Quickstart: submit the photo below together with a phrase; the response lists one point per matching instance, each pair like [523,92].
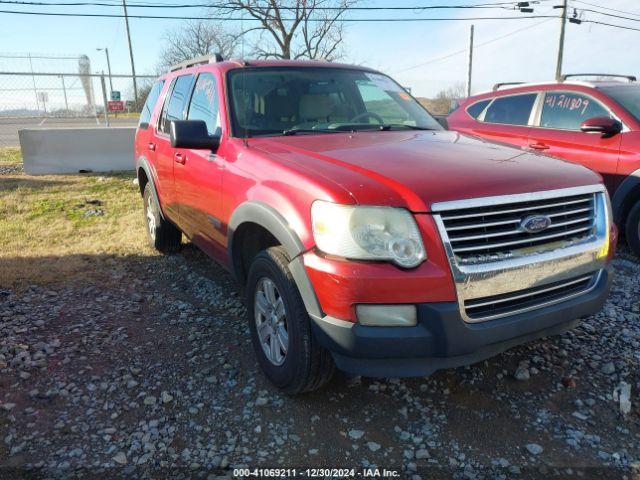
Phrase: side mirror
[192,134]
[605,126]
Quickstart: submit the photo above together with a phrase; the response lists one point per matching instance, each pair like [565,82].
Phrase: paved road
[9,126]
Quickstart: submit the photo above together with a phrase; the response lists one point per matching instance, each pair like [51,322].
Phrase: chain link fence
[31,98]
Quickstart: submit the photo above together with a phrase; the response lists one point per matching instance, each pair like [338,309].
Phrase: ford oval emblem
[535,223]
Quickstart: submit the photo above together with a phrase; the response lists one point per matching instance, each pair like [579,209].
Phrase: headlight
[367,233]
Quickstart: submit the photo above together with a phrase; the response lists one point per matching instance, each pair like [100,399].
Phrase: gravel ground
[150,372]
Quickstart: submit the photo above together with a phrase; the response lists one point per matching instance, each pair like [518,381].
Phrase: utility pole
[133,67]
[106,51]
[563,19]
[470,68]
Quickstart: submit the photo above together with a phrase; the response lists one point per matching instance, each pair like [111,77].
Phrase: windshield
[626,95]
[276,101]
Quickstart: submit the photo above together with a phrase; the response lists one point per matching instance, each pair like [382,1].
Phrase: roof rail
[497,86]
[631,78]
[205,59]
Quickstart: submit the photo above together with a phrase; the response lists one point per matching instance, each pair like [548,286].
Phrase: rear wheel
[632,229]
[287,352]
[162,234]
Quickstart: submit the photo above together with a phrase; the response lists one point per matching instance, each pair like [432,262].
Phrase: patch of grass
[10,156]
[51,225]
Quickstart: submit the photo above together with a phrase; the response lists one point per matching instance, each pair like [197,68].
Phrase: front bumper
[443,339]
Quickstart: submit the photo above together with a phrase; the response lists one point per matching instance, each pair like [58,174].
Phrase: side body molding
[271,220]
[618,202]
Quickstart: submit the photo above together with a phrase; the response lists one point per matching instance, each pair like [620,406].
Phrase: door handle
[152,146]
[180,158]
[539,146]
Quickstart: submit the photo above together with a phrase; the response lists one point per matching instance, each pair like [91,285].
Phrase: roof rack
[497,86]
[631,78]
[205,59]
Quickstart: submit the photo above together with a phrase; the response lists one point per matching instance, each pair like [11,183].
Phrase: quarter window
[175,108]
[204,103]
[477,108]
[566,111]
[511,110]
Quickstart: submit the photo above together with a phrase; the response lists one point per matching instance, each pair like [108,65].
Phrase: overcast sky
[406,51]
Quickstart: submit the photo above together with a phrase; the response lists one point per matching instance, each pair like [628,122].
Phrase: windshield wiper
[295,131]
[389,126]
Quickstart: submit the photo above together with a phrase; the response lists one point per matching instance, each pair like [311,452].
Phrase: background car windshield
[626,95]
[269,101]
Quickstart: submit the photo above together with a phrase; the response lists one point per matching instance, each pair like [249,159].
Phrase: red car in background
[596,124]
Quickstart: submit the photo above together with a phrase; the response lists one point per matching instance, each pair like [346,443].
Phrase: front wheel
[632,229]
[286,350]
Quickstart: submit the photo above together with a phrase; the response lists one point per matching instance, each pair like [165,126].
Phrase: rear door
[507,119]
[198,177]
[174,108]
[557,133]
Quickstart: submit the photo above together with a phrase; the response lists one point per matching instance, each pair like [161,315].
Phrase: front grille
[531,298]
[489,232]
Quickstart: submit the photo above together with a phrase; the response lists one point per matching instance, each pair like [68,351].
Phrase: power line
[607,8]
[503,5]
[163,17]
[610,15]
[458,52]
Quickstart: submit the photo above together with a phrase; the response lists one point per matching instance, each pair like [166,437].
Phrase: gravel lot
[149,371]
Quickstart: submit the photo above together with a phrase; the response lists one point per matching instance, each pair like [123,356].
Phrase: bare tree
[293,29]
[445,100]
[195,39]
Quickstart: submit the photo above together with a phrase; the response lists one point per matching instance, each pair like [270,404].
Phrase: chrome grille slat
[497,306]
[515,210]
[519,242]
[516,232]
[495,229]
[471,304]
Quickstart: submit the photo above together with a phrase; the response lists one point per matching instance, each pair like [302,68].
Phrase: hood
[415,169]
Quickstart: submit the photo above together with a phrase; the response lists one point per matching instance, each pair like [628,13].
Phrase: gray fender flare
[143,164]
[271,220]
[622,193]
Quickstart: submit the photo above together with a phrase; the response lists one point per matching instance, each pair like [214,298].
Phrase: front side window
[150,103]
[566,111]
[511,110]
[175,108]
[626,95]
[270,101]
[204,103]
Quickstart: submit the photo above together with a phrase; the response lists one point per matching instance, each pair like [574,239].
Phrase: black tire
[307,366]
[165,237]
[632,229]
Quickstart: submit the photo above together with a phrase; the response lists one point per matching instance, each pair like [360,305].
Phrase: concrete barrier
[74,150]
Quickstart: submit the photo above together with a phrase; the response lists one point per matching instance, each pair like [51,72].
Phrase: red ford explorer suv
[596,124]
[366,236]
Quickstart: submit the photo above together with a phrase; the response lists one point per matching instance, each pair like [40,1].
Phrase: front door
[507,119]
[198,173]
[558,134]
[173,109]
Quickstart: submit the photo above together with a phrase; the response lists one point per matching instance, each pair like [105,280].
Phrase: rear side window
[150,103]
[511,110]
[204,103]
[566,111]
[174,108]
[477,108]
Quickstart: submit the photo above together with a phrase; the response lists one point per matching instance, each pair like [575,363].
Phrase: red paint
[407,169]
